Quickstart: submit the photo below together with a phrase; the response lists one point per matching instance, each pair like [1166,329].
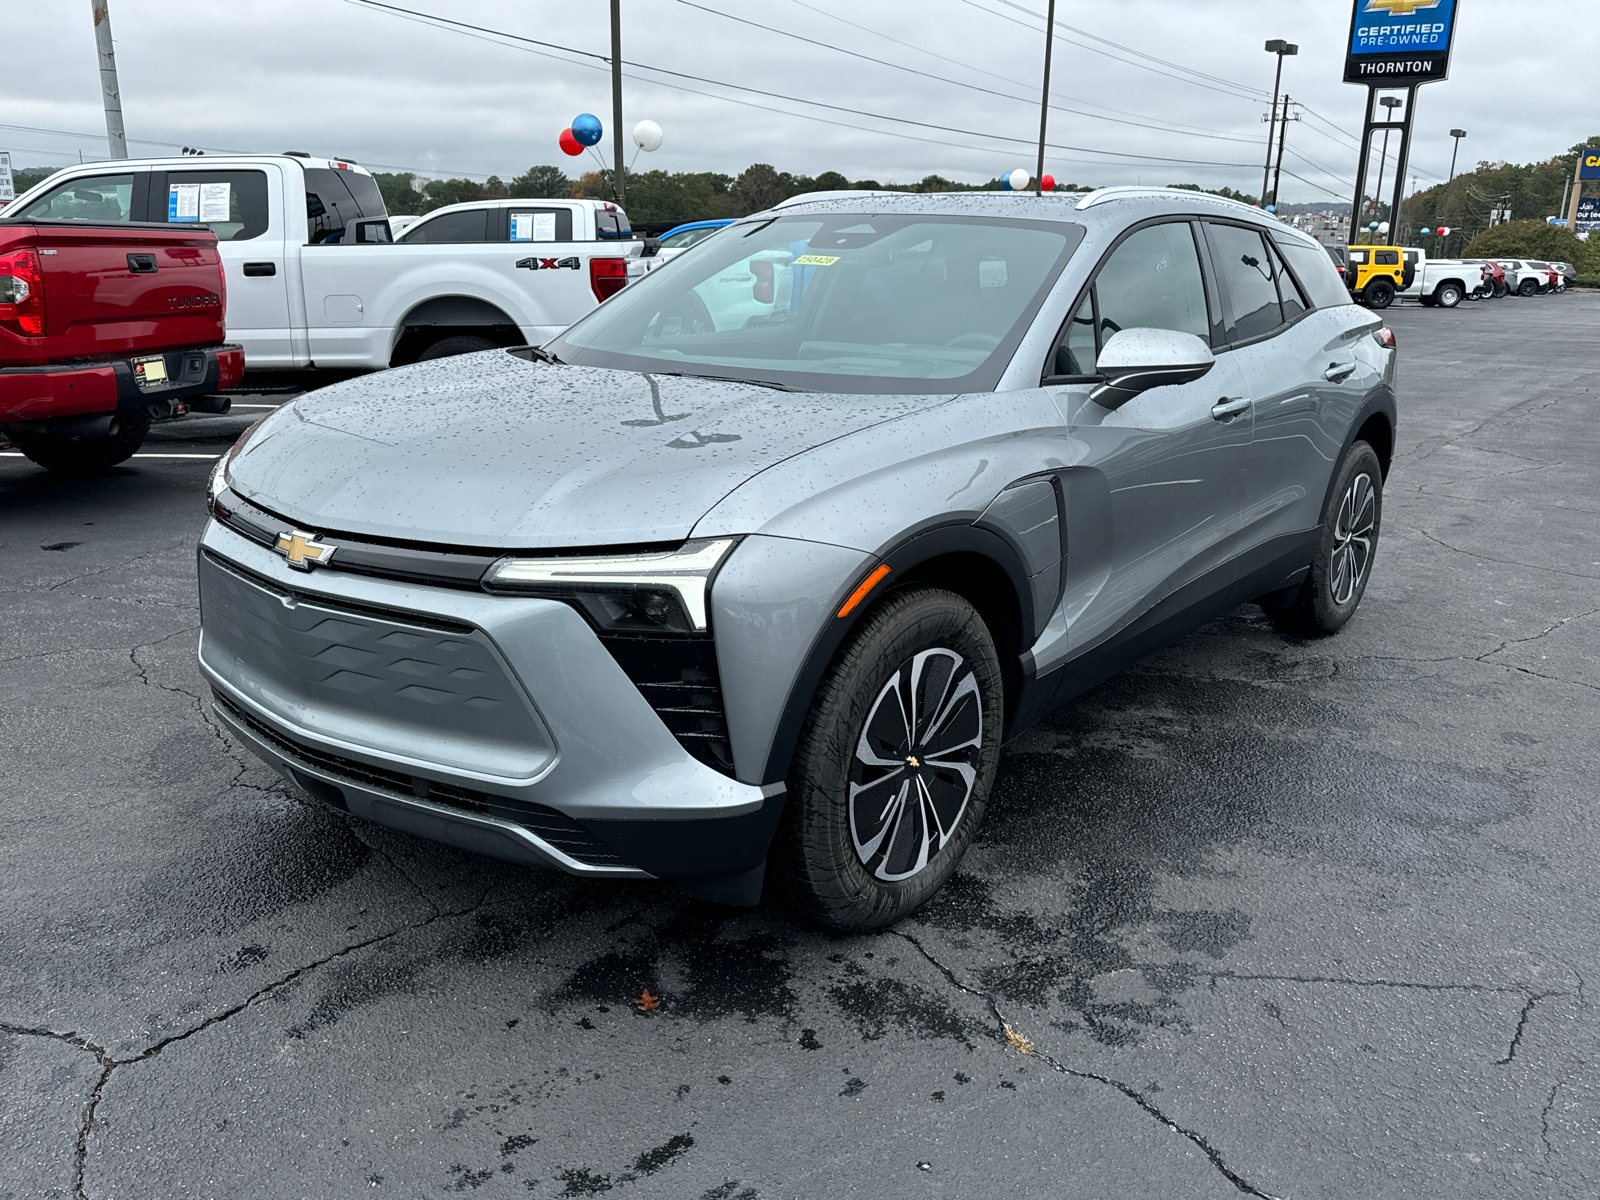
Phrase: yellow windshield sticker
[816,260]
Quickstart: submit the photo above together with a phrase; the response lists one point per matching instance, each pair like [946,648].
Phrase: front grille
[556,828]
[678,678]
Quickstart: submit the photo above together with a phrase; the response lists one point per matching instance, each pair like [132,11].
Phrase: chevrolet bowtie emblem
[302,549]
[1400,8]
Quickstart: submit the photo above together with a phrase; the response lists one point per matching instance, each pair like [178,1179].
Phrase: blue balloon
[1373,226]
[1272,208]
[1426,231]
[1005,181]
[587,130]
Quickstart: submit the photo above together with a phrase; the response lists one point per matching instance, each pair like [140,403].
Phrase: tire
[1347,542]
[1447,295]
[852,853]
[1500,290]
[1528,287]
[84,456]
[1425,301]
[461,343]
[1378,294]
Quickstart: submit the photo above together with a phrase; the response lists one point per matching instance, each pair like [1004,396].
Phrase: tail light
[222,291]
[1384,337]
[607,276]
[762,292]
[22,293]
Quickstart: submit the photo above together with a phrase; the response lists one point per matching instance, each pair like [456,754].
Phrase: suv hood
[493,450]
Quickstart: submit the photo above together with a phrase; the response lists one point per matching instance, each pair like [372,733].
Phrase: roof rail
[1129,191]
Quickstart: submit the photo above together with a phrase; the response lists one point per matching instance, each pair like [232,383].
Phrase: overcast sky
[339,77]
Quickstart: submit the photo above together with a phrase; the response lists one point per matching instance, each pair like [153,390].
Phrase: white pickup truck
[1441,282]
[314,278]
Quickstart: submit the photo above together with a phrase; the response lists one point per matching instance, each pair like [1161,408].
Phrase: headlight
[628,593]
[218,480]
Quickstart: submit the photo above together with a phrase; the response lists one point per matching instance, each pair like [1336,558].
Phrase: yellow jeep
[1377,273]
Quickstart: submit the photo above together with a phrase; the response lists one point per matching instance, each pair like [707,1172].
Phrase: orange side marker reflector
[867,584]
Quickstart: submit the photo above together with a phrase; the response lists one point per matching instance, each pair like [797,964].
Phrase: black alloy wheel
[894,764]
[1347,542]
[1528,287]
[1378,294]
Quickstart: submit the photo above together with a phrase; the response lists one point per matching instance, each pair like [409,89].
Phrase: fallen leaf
[646,1002]
[1017,1041]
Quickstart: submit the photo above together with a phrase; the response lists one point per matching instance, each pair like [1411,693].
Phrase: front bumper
[106,385]
[498,724]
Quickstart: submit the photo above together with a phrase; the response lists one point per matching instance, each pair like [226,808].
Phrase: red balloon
[568,143]
[1048,183]
[1441,231]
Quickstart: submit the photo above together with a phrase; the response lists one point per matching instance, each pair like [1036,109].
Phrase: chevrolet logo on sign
[302,549]
[1400,8]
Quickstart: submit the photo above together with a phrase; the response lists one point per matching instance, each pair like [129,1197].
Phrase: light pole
[1458,134]
[616,96]
[1282,49]
[1044,96]
[108,80]
[1391,103]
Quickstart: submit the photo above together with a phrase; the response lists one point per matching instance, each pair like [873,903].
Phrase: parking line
[19,454]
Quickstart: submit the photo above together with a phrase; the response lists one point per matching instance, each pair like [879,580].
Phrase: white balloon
[1383,227]
[647,136]
[1019,180]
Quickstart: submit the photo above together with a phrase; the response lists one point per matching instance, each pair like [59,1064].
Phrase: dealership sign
[1400,42]
[1589,168]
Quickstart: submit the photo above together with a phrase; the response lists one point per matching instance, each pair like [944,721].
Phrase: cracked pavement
[1260,916]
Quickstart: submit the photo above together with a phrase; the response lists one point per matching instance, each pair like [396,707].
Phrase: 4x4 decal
[549,264]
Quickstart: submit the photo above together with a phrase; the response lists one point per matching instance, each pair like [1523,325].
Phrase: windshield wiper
[543,355]
[766,383]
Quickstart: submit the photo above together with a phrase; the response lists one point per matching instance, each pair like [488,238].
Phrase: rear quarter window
[1316,273]
[468,225]
[335,199]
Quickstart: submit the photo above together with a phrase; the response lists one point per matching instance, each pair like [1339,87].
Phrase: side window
[611,223]
[1247,277]
[468,225]
[540,225]
[1315,271]
[1358,257]
[1386,258]
[1289,294]
[233,203]
[98,198]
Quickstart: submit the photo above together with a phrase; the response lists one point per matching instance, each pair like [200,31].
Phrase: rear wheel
[1346,544]
[894,764]
[1447,295]
[80,456]
[1378,294]
[1528,287]
[461,343]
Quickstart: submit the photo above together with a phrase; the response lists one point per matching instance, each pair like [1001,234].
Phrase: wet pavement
[1262,915]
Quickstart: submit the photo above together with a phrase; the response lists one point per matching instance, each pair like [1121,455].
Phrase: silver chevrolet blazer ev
[748,575]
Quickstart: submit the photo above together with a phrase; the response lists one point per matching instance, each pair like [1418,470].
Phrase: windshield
[842,303]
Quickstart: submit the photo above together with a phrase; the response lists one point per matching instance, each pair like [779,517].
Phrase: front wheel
[894,764]
[1346,543]
[1378,294]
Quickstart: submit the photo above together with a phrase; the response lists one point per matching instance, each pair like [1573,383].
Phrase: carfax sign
[1589,168]
[1400,42]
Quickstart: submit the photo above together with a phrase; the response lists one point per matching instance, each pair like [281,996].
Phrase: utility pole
[616,95]
[1283,133]
[108,79]
[1044,96]
[1458,134]
[1282,49]
[1577,192]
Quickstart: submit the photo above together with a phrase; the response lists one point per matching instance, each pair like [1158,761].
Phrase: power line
[1237,95]
[447,22]
[1173,126]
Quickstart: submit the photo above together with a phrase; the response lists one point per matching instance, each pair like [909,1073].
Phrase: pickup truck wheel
[894,763]
[459,344]
[1346,543]
[1447,295]
[1378,294]
[86,455]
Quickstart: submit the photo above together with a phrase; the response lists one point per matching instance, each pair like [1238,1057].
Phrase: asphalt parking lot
[1262,915]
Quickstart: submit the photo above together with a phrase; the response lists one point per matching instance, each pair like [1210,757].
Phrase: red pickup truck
[104,327]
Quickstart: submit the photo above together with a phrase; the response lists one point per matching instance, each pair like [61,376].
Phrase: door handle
[1339,372]
[265,268]
[142,264]
[1226,407]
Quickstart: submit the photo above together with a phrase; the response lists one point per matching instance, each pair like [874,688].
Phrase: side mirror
[1136,360]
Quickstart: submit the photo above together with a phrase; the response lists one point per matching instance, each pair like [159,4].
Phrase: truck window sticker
[183,202]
